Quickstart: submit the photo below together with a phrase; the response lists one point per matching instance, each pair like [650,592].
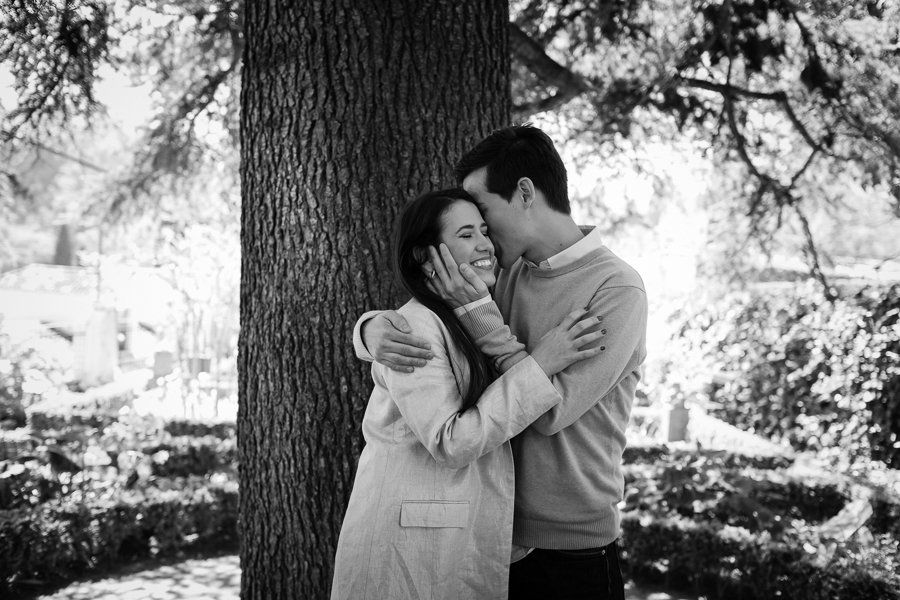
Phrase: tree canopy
[798,97]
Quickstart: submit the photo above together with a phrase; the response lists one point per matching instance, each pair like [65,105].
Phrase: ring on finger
[432,274]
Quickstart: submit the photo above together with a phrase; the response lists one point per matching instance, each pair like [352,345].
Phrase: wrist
[542,362]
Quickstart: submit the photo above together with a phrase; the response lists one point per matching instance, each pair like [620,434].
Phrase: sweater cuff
[482,320]
[471,305]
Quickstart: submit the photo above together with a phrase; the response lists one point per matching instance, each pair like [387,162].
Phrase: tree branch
[780,97]
[813,257]
[61,154]
[568,84]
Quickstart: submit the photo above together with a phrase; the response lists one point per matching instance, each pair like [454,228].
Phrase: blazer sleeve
[585,383]
[430,399]
[359,347]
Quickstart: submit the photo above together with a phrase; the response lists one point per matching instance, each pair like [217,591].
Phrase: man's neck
[557,232]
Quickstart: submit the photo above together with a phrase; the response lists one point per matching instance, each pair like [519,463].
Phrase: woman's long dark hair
[418,227]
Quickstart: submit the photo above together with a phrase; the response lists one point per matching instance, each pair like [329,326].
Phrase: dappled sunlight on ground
[638,593]
[219,578]
[210,579]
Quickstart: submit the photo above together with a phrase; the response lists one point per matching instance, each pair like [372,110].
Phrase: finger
[441,269]
[583,354]
[588,338]
[410,345]
[395,319]
[404,360]
[472,278]
[401,349]
[437,287]
[395,367]
[448,259]
[455,279]
[571,318]
[585,324]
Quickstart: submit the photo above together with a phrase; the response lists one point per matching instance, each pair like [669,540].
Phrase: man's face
[504,219]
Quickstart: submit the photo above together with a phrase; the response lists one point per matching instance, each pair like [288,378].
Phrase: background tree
[348,109]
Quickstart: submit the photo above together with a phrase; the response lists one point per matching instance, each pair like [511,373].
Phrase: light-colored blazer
[430,515]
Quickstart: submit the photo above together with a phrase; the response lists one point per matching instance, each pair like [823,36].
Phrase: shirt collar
[576,251]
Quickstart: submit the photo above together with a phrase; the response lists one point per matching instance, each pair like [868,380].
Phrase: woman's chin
[488,279]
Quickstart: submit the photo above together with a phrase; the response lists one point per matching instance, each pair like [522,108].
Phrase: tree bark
[349,108]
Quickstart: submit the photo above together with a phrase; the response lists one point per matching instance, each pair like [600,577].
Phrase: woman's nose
[484,243]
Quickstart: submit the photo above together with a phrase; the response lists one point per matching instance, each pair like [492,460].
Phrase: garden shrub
[180,427]
[885,515]
[58,540]
[825,377]
[62,421]
[84,419]
[729,562]
[728,488]
[728,459]
[186,456]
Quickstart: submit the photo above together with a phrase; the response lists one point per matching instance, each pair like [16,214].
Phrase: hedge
[223,431]
[726,488]
[58,541]
[61,421]
[45,420]
[730,562]
[636,455]
[190,456]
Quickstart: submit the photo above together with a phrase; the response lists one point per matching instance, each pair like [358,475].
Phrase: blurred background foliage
[793,367]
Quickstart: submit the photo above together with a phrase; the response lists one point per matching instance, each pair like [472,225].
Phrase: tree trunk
[349,108]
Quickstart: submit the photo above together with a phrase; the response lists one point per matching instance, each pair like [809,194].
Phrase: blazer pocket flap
[418,513]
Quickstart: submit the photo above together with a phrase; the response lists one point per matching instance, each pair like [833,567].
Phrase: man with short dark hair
[568,463]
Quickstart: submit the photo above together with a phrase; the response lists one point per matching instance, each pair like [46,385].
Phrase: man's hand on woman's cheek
[391,343]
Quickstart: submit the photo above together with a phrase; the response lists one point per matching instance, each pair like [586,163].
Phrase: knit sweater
[568,462]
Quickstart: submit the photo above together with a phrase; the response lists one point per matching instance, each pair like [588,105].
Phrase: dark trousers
[568,575]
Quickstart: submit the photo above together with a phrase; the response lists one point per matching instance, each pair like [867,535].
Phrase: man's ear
[525,187]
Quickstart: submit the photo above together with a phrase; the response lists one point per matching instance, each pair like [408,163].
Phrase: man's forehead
[474,181]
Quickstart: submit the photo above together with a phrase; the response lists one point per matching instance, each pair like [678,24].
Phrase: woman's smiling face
[466,236]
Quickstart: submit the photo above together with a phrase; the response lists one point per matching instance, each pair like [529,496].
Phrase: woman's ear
[420,254]
[428,268]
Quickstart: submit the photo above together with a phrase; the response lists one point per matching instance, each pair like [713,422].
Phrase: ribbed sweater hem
[533,533]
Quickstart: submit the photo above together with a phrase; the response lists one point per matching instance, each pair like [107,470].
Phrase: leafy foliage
[728,525]
[822,376]
[55,50]
[24,369]
[795,93]
[66,538]
[729,562]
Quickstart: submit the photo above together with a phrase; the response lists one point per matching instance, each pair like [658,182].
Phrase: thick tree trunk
[349,108]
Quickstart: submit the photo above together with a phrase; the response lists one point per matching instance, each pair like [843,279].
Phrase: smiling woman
[466,236]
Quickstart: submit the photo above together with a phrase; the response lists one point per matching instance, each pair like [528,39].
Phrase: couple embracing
[495,430]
